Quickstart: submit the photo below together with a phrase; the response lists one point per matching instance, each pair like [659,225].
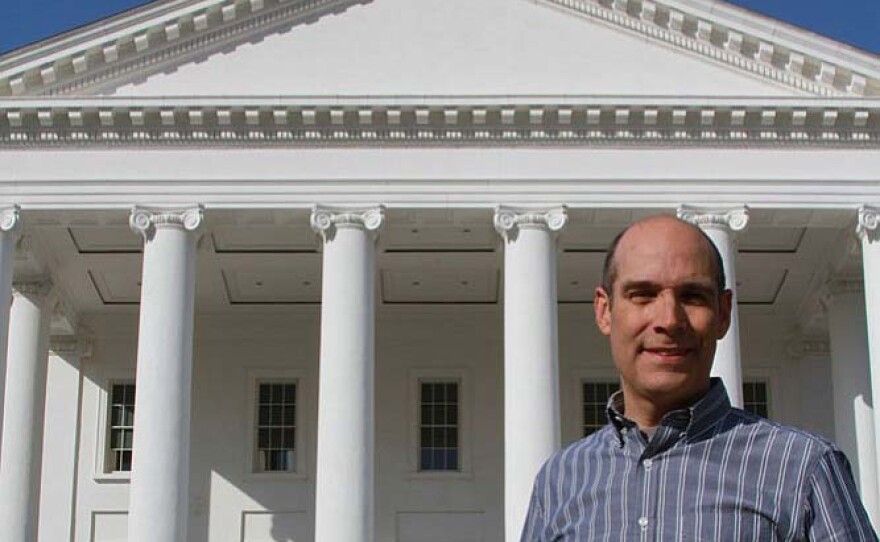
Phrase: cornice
[732,42]
[165,39]
[149,40]
[378,121]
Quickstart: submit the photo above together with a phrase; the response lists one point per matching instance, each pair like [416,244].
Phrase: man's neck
[649,412]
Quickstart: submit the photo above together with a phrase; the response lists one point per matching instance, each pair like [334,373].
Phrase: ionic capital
[509,220]
[802,347]
[734,219]
[145,220]
[866,228]
[70,345]
[40,289]
[10,219]
[841,286]
[326,220]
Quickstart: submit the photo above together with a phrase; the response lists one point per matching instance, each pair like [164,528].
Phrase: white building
[401,375]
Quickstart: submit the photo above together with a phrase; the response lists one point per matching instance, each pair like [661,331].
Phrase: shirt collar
[694,420]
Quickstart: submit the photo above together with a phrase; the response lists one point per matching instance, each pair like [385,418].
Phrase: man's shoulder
[781,432]
[596,442]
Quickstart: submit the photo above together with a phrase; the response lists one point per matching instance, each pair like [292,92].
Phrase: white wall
[229,503]
[452,47]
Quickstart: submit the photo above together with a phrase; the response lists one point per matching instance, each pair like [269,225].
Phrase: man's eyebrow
[639,285]
[697,285]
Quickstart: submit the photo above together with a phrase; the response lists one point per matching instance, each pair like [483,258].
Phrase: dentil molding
[144,221]
[735,219]
[326,220]
[509,220]
[438,121]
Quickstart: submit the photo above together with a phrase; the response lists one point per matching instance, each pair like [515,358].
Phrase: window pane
[595,401]
[120,429]
[276,427]
[438,426]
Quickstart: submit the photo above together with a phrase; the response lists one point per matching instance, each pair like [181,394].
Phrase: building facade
[295,270]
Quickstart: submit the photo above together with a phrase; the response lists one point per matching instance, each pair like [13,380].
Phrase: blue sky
[856,22]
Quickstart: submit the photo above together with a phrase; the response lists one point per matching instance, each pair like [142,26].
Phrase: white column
[721,225]
[344,479]
[9,226]
[531,361]
[23,417]
[158,501]
[869,218]
[851,382]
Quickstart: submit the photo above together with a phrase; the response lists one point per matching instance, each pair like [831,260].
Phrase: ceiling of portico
[258,259]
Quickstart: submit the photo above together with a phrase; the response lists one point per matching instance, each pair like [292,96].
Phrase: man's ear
[602,308]
[725,306]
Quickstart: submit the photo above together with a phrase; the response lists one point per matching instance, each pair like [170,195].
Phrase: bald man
[676,461]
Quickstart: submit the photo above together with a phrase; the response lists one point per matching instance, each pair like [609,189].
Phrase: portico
[348,296]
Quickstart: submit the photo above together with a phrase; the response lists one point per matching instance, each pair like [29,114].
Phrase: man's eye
[641,296]
[695,298]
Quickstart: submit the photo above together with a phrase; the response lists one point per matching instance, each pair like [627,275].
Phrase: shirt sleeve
[835,510]
[534,519]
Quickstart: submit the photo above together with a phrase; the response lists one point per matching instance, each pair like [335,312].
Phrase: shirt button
[648,463]
[643,522]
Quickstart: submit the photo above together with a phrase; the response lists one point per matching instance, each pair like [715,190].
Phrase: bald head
[663,225]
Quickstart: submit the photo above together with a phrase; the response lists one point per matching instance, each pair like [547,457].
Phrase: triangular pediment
[440,47]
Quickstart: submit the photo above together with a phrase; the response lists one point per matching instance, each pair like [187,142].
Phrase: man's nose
[670,316]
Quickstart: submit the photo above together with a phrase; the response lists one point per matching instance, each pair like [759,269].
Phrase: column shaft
[344,485]
[159,503]
[870,236]
[9,225]
[21,452]
[850,377]
[720,226]
[531,361]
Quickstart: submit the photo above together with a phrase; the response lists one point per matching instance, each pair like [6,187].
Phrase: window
[596,395]
[755,398]
[121,427]
[438,426]
[276,427]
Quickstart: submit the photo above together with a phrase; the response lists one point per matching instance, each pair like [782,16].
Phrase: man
[676,461]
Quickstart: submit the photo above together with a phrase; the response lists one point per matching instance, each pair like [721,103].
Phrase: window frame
[573,424]
[465,400]
[768,382]
[109,456]
[102,461]
[275,376]
[582,419]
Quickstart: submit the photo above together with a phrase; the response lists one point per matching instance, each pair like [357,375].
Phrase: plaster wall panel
[60,434]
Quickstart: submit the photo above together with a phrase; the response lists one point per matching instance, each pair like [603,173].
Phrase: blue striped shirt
[710,472]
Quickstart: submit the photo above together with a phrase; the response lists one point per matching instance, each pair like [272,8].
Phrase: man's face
[664,314]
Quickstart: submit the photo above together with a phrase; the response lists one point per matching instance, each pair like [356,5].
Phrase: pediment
[439,47]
